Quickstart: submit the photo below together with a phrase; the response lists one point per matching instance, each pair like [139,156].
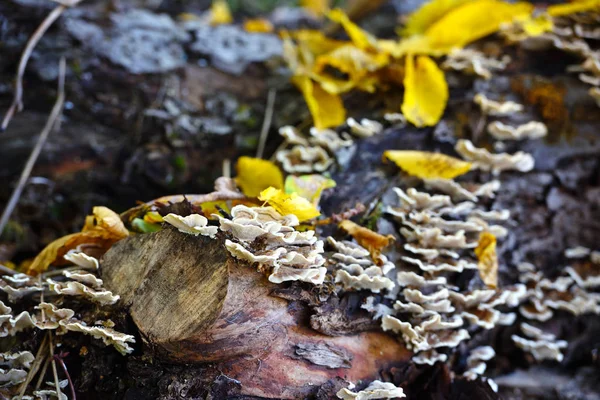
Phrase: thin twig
[64,367]
[50,124]
[264,131]
[54,371]
[17,104]
[4,270]
[479,128]
[42,374]
[40,355]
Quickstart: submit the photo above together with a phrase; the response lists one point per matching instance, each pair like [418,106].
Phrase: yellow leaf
[471,21]
[106,220]
[326,109]
[287,204]
[308,186]
[535,26]
[370,240]
[315,42]
[558,10]
[354,63]
[427,15]
[258,25]
[102,229]
[152,217]
[360,38]
[425,91]
[220,13]
[317,7]
[487,259]
[255,175]
[427,165]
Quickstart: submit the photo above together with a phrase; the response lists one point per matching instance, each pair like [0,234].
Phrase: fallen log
[193,303]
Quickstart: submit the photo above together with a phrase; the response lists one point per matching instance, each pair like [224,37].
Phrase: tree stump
[192,302]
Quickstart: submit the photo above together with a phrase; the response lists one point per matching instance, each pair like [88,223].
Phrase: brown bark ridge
[192,302]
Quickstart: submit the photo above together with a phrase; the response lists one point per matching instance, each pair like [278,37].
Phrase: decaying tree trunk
[192,302]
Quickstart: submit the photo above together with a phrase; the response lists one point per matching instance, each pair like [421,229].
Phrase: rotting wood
[194,303]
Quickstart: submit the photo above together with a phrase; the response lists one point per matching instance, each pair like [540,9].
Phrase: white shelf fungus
[364,128]
[474,62]
[496,163]
[288,254]
[496,108]
[193,224]
[375,390]
[530,130]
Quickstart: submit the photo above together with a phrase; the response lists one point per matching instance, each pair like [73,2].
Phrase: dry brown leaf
[102,229]
[372,241]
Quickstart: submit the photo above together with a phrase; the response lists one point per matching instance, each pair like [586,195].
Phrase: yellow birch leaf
[558,10]
[427,165]
[487,259]
[255,175]
[426,15]
[370,240]
[308,186]
[220,13]
[102,229]
[258,25]
[425,91]
[286,204]
[360,38]
[316,7]
[471,21]
[326,109]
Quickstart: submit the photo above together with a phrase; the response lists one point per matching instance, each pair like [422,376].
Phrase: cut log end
[192,302]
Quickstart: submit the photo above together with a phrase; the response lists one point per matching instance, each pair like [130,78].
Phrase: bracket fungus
[496,108]
[263,237]
[364,128]
[304,159]
[193,224]
[375,390]
[474,62]
[495,163]
[355,269]
[530,130]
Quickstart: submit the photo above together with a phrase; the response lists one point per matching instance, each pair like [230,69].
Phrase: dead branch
[52,122]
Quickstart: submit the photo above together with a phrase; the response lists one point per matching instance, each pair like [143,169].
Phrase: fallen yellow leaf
[426,15]
[425,91]
[427,165]
[487,259]
[152,217]
[443,25]
[258,25]
[370,240]
[471,21]
[535,26]
[326,109]
[102,229]
[220,13]
[360,38]
[287,204]
[308,186]
[317,7]
[355,64]
[255,175]
[558,10]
